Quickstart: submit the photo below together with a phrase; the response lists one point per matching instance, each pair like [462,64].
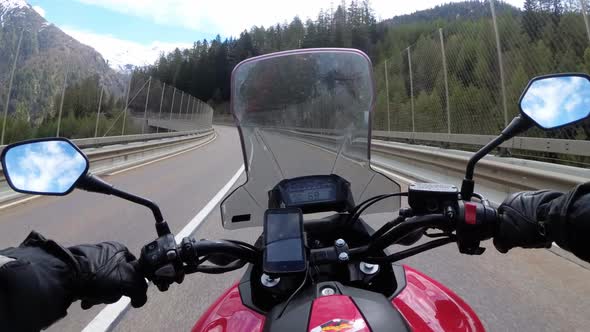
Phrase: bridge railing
[75,99]
[464,76]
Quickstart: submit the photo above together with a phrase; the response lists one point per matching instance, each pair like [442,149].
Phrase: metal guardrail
[572,147]
[553,145]
[123,148]
[515,173]
[114,157]
[511,172]
[84,143]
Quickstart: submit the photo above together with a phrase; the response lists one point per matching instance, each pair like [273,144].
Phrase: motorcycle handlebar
[472,221]
[191,250]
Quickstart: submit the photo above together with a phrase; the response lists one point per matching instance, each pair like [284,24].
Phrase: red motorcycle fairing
[425,304]
[229,314]
[323,318]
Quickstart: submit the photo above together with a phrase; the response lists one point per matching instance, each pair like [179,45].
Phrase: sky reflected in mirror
[557,101]
[50,167]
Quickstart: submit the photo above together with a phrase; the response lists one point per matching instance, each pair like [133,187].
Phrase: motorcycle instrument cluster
[318,193]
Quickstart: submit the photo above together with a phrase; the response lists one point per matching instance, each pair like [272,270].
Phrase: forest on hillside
[545,36]
[204,69]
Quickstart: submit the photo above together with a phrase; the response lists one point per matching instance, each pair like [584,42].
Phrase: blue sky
[101,20]
[136,31]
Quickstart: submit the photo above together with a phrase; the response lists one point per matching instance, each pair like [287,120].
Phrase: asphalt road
[525,290]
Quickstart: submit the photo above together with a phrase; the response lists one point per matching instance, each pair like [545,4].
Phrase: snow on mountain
[7,6]
[13,4]
[136,55]
[123,55]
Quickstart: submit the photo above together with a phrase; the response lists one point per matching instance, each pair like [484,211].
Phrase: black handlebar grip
[137,267]
[475,222]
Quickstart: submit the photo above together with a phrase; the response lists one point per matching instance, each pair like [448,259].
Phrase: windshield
[303,113]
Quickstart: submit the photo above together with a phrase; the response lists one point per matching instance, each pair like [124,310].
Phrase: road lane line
[107,317]
[20,201]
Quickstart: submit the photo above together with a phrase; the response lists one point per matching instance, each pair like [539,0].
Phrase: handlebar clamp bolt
[343,257]
[340,243]
[171,255]
[268,281]
[369,269]
[327,291]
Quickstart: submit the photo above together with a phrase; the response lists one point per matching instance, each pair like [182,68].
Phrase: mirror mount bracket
[95,184]
[518,125]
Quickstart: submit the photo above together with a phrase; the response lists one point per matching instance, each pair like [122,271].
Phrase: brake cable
[411,252]
[295,292]
[243,244]
[359,209]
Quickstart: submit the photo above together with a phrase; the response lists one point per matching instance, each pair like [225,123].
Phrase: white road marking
[20,201]
[106,318]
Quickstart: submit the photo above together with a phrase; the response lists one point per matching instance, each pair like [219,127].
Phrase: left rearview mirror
[44,166]
[555,101]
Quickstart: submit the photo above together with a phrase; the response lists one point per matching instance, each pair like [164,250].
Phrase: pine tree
[530,20]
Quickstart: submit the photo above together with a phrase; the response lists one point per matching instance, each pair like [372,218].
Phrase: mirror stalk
[516,126]
[95,184]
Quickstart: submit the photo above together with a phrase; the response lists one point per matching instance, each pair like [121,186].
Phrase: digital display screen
[311,191]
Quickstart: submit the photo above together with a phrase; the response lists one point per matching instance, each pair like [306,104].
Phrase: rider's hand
[523,221]
[106,274]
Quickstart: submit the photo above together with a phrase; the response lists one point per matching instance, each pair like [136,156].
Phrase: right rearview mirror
[555,101]
[44,166]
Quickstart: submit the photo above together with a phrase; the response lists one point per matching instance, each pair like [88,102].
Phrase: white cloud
[39,10]
[231,17]
[120,52]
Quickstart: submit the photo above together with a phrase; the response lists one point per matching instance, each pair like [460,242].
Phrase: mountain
[46,54]
[452,11]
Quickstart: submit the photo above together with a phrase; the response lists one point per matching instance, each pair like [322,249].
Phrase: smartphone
[284,246]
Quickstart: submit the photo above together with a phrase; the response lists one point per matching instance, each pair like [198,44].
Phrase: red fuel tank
[425,304]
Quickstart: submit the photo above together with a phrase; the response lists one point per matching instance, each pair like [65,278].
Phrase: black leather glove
[523,221]
[40,279]
[106,274]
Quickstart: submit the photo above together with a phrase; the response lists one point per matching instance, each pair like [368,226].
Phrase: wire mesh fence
[73,100]
[467,75]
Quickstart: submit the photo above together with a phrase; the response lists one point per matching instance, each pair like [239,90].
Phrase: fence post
[126,105]
[172,106]
[61,105]
[193,110]
[585,15]
[180,106]
[411,89]
[446,76]
[387,96]
[147,98]
[10,85]
[161,103]
[190,99]
[98,112]
[500,61]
